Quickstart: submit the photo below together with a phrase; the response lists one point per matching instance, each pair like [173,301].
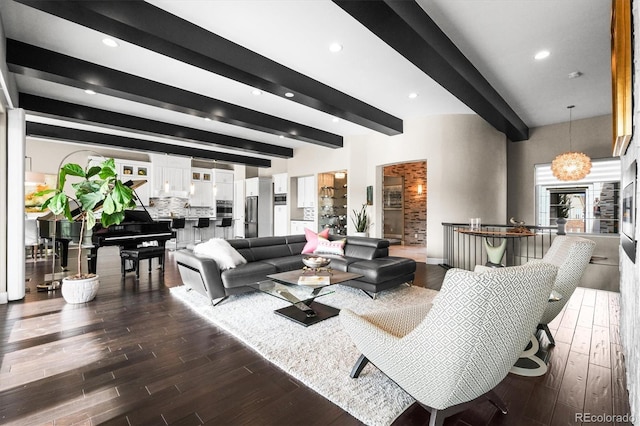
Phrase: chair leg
[360,364]
[545,328]
[435,419]
[219,301]
[493,398]
[368,294]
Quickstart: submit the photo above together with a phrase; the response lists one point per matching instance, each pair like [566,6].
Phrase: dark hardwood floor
[136,356]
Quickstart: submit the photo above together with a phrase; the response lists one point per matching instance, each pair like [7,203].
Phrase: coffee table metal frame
[303,309]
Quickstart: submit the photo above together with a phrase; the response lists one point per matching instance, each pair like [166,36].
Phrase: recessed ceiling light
[281,137]
[109,42]
[335,47]
[289,95]
[335,119]
[90,92]
[256,92]
[207,119]
[413,95]
[542,54]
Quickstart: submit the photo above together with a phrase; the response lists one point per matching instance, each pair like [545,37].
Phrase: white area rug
[320,356]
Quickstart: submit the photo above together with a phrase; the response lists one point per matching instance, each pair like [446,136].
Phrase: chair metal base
[357,369]
[437,416]
[545,328]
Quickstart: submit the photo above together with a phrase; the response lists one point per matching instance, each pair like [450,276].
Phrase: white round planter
[359,234]
[80,290]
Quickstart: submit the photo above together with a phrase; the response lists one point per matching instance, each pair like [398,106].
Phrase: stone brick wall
[415,205]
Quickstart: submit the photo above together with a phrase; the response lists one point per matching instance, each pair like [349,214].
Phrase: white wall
[591,136]
[466,170]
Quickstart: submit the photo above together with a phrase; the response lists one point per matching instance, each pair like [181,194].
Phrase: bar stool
[226,223]
[177,224]
[203,222]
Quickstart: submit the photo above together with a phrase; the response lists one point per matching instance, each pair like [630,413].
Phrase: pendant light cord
[570,121]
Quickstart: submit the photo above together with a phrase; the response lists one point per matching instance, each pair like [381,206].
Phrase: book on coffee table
[314,280]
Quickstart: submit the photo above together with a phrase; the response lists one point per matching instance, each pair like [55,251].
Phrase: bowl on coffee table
[316,262]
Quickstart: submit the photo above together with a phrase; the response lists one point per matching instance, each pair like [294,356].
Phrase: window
[590,205]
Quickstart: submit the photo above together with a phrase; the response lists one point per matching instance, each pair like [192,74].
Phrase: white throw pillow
[221,251]
[325,246]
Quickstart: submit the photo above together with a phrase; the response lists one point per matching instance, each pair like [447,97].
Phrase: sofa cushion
[246,274]
[242,246]
[366,248]
[296,243]
[382,269]
[341,263]
[286,263]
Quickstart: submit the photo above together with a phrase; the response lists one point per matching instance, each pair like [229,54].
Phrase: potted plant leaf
[361,221]
[98,187]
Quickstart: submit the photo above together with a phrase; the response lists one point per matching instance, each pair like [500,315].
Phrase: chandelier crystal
[571,165]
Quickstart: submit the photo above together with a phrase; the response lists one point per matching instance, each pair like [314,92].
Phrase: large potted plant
[98,187]
[362,221]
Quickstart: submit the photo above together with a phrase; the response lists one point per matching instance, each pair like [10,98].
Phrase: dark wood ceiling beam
[50,131]
[148,26]
[406,27]
[44,64]
[83,113]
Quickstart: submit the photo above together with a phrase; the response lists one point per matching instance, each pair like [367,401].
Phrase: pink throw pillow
[312,239]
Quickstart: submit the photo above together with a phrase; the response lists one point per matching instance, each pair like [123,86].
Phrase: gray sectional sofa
[269,255]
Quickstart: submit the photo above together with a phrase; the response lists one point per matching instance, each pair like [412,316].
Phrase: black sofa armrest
[200,273]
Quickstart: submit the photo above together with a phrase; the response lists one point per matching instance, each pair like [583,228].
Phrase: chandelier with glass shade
[571,165]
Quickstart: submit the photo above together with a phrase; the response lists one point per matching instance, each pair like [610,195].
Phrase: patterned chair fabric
[463,345]
[571,255]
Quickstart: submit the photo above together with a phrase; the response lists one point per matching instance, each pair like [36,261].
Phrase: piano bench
[135,255]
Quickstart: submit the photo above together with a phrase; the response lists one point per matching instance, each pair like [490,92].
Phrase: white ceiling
[499,37]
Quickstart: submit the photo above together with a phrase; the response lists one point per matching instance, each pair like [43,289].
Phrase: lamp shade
[571,166]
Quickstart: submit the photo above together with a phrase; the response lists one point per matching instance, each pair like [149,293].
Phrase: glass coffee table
[301,288]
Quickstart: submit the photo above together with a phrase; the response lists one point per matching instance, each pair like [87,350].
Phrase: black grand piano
[138,227]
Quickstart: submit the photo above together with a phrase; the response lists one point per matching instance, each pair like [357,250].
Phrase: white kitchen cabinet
[224,185]
[238,208]
[280,220]
[224,191]
[297,226]
[280,183]
[201,188]
[171,175]
[252,187]
[223,176]
[307,193]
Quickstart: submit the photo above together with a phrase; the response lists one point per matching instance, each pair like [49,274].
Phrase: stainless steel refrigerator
[251,217]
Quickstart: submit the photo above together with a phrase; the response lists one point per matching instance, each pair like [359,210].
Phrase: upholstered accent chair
[571,255]
[454,352]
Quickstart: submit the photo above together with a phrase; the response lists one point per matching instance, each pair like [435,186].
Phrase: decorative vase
[359,234]
[80,290]
[561,221]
